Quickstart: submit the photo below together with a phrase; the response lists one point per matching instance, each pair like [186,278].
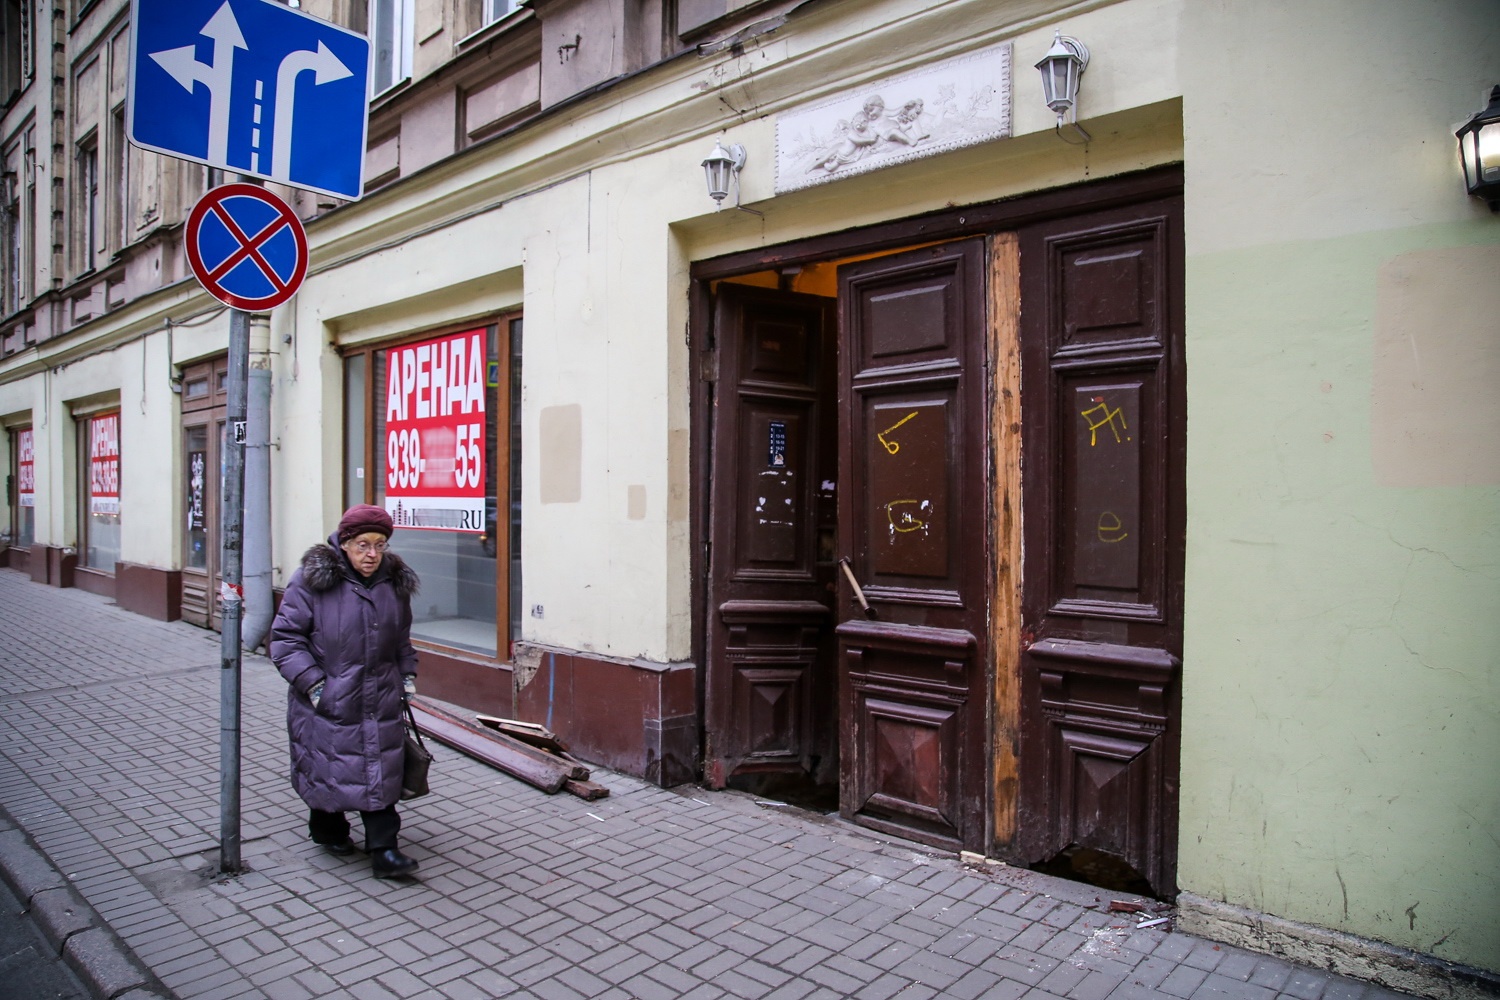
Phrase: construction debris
[544,764]
[586,790]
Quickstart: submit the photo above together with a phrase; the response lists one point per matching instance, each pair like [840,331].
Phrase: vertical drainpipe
[257,538]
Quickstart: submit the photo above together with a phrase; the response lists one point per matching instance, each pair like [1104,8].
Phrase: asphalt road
[29,970]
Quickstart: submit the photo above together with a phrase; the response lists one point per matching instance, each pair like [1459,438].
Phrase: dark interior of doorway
[794,790]
[1107,871]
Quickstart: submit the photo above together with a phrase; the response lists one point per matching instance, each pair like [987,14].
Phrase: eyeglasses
[367,547]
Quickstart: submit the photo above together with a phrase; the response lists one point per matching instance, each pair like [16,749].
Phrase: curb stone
[60,913]
[104,963]
[70,925]
[25,868]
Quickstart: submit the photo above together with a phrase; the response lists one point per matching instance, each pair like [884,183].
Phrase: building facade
[1111,493]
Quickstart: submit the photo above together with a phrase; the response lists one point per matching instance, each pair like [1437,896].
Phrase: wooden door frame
[1004,355]
[998,220]
[209,412]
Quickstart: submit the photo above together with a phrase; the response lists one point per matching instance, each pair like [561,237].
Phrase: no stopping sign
[247,247]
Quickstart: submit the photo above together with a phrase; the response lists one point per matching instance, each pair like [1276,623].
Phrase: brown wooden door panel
[909,781]
[770,681]
[772,658]
[912,516]
[1111,493]
[771,540]
[1103,494]
[909,530]
[907,712]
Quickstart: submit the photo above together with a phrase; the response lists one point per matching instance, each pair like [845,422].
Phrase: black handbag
[416,759]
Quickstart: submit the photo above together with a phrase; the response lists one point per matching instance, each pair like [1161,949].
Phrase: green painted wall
[1341,744]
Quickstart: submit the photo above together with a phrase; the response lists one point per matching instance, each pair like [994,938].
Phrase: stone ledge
[1345,954]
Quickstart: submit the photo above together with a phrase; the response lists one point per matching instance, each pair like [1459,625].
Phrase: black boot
[342,848]
[389,862]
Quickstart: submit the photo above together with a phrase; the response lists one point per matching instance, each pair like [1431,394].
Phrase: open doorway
[1022,380]
[846,628]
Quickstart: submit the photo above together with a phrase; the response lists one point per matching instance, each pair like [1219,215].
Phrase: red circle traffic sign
[247,247]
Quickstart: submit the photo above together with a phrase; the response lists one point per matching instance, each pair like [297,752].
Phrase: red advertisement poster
[104,464]
[434,433]
[25,468]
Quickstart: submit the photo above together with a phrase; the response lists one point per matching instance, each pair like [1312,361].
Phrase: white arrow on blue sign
[251,86]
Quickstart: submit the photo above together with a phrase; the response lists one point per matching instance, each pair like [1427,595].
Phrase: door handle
[859,593]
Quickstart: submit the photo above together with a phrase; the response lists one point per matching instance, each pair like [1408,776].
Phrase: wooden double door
[944,539]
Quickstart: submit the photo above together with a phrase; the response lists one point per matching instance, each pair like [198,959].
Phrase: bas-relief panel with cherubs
[957,102]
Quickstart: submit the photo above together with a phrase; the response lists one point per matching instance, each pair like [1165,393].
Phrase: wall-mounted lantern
[1479,148]
[721,168]
[1062,68]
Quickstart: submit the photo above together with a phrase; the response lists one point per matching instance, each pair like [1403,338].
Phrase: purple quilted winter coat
[347,752]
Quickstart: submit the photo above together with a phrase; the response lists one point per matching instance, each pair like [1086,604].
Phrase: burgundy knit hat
[363,517]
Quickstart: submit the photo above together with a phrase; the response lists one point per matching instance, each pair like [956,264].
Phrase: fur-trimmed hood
[323,566]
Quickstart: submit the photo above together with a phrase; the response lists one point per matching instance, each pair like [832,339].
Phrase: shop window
[22,487]
[432,433]
[99,479]
[392,41]
[195,462]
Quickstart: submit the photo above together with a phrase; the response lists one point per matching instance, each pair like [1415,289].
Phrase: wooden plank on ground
[547,774]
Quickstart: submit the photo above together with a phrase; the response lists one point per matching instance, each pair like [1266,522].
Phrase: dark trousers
[381,827]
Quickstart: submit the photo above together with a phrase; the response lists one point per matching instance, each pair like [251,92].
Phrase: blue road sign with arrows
[251,86]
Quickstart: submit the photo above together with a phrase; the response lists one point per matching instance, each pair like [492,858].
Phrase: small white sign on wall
[957,102]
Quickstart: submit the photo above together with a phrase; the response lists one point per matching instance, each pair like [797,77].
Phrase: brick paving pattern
[110,737]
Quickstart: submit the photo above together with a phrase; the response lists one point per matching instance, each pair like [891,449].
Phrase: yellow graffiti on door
[893,446]
[1106,420]
[903,521]
[1111,529]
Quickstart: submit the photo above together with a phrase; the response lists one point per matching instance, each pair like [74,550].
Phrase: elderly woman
[342,640]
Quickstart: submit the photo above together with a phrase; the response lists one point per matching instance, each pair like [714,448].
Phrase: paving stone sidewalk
[109,739]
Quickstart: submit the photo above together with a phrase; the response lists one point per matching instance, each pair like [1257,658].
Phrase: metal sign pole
[231,568]
[165,112]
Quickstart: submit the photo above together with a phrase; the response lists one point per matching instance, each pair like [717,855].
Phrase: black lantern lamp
[1479,148]
[1061,69]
